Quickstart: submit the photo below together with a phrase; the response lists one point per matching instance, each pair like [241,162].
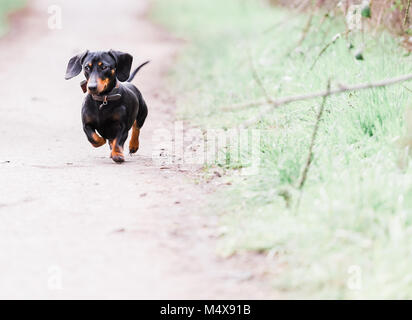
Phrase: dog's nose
[92,86]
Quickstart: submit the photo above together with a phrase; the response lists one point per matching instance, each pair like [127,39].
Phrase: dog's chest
[107,121]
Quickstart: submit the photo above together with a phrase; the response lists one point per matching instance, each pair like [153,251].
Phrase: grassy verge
[352,234]
[7,6]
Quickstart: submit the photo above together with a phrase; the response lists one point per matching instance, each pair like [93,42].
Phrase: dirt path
[72,223]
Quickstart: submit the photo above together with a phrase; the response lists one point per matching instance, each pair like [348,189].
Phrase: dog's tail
[137,70]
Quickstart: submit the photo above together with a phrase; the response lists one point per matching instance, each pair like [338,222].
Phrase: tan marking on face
[102,84]
[90,64]
[100,63]
[113,71]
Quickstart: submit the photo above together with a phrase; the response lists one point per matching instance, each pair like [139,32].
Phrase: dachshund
[112,105]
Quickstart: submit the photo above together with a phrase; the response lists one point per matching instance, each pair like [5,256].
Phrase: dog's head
[101,69]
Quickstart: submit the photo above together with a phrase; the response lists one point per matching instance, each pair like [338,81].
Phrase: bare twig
[244,105]
[407,14]
[336,37]
[343,88]
[304,34]
[379,20]
[322,20]
[340,89]
[306,29]
[410,90]
[309,157]
[257,78]
[313,140]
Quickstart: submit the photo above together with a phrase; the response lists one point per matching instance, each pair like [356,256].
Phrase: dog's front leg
[117,144]
[93,137]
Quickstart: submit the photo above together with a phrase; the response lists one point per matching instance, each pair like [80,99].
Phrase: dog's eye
[87,68]
[104,67]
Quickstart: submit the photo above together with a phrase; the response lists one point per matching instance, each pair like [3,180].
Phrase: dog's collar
[111,96]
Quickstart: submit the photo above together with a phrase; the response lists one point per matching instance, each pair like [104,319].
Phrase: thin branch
[343,88]
[340,89]
[245,105]
[378,23]
[407,14]
[306,29]
[305,32]
[257,78]
[313,141]
[410,90]
[336,37]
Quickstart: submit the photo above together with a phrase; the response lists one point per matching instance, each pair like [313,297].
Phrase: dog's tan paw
[99,141]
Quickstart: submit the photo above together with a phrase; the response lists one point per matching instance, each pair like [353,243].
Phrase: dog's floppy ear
[75,65]
[123,64]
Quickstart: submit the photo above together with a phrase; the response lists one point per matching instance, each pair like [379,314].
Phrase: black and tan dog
[112,105]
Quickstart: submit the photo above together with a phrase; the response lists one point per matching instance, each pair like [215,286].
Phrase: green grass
[7,6]
[356,206]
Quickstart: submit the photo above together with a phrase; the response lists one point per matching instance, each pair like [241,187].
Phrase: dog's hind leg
[134,140]
[140,119]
